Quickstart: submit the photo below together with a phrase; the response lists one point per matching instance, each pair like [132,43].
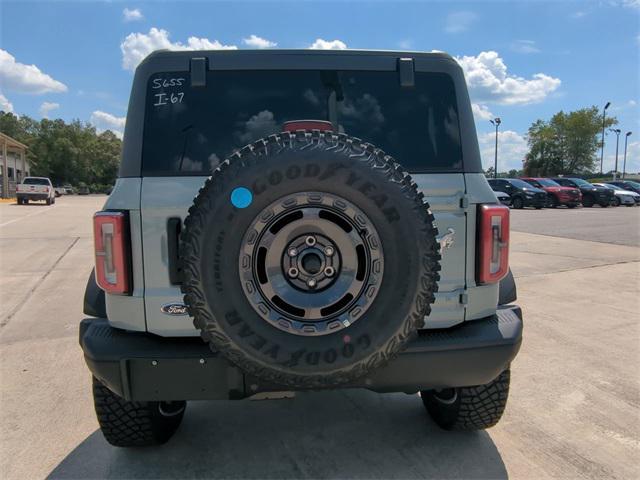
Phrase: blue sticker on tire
[241,197]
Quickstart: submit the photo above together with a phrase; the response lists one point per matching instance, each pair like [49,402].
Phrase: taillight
[111,240]
[493,243]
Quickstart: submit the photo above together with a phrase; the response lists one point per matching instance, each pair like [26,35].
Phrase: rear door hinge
[464,297]
[406,72]
[464,201]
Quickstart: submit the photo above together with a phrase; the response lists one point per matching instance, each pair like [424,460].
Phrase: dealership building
[14,165]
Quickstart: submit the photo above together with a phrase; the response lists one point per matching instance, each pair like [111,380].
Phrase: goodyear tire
[135,424]
[469,408]
[309,259]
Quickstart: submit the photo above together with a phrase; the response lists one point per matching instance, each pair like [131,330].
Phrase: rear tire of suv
[517,203]
[135,424]
[468,408]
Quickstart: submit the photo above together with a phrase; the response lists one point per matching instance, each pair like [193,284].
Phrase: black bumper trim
[142,366]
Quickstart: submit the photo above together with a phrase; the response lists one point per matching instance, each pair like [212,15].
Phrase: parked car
[623,197]
[59,190]
[591,194]
[83,190]
[627,185]
[522,194]
[68,189]
[503,198]
[274,271]
[35,189]
[556,194]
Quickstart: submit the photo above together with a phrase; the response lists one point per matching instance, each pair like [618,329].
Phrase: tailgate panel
[166,197]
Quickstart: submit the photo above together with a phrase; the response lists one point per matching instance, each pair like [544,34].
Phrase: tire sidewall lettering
[274,351]
[330,172]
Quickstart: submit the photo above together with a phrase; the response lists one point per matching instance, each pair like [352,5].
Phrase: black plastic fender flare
[94,302]
[507,290]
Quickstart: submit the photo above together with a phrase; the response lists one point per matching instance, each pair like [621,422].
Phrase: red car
[558,195]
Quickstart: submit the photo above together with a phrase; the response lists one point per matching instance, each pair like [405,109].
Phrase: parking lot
[574,408]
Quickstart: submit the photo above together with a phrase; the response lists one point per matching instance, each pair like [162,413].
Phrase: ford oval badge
[174,309]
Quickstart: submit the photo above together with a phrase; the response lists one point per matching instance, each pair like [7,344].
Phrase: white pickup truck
[35,188]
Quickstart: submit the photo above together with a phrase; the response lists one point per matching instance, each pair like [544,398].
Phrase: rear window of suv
[35,181]
[190,130]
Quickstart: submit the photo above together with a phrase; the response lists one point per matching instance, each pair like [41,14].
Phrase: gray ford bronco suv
[298,220]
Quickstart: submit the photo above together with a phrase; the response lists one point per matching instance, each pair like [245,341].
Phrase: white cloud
[631,3]
[5,105]
[481,112]
[321,44]
[258,126]
[47,107]
[512,148]
[525,46]
[136,46]
[132,15]
[458,22]
[105,121]
[255,41]
[21,78]
[489,81]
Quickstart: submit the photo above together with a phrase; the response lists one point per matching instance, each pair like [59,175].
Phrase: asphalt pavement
[573,412]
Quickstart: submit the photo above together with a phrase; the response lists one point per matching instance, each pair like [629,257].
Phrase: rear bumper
[141,366]
[33,196]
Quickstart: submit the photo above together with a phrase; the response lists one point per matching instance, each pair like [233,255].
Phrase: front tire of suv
[135,424]
[468,408]
[588,201]
[518,203]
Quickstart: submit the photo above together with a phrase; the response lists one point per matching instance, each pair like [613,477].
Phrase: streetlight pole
[496,121]
[604,114]
[624,163]
[617,131]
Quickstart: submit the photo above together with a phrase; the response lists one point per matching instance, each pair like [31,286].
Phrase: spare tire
[309,259]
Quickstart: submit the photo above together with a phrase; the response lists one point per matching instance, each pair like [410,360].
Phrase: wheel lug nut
[311,283]
[310,240]
[329,271]
[293,272]
[293,252]
[328,251]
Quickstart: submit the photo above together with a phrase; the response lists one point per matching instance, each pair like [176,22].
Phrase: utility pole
[624,163]
[496,121]
[617,131]
[604,114]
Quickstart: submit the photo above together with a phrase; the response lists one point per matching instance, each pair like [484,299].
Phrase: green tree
[66,152]
[566,144]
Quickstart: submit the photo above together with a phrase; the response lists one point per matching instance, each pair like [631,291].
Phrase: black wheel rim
[311,263]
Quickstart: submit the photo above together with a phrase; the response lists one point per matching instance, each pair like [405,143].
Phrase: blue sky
[523,60]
